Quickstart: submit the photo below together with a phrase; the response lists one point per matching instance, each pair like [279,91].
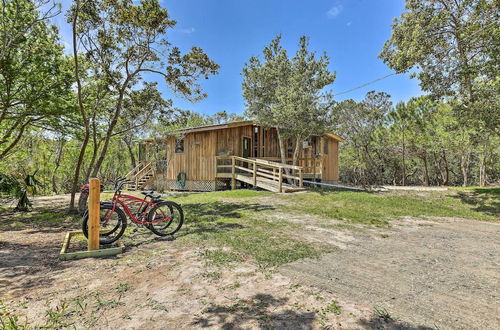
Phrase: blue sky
[352,32]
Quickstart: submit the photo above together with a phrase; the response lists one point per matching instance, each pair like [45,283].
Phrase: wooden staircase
[260,173]
[142,175]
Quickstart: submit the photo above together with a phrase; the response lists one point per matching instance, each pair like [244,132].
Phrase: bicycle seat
[150,194]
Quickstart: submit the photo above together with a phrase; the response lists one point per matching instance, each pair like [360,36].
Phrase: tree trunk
[426,170]
[439,169]
[82,112]
[281,142]
[109,133]
[374,165]
[464,166]
[57,163]
[296,153]
[130,152]
[446,169]
[483,160]
[404,163]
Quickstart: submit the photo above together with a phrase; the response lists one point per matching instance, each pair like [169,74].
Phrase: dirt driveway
[414,274]
[441,274]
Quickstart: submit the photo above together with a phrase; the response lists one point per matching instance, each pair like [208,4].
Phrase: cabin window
[179,146]
[325,146]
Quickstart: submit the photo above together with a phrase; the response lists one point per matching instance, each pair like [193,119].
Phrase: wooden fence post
[94,213]
[280,179]
[254,174]
[233,174]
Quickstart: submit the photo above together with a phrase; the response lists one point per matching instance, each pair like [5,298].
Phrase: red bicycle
[160,216]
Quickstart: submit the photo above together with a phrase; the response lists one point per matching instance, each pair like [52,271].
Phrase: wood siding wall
[331,161]
[197,160]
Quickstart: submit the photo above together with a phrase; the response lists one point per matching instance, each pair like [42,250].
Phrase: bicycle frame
[141,216]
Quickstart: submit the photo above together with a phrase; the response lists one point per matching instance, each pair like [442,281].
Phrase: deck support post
[254,174]
[233,174]
[314,169]
[301,179]
[94,211]
[280,179]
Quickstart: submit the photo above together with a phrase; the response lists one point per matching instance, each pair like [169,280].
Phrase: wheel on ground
[165,218]
[112,223]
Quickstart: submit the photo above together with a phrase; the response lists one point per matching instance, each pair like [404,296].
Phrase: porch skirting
[192,185]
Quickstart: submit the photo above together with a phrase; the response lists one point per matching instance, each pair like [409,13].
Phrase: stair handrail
[135,169]
[138,177]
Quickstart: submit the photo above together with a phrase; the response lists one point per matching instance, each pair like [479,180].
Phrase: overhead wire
[366,84]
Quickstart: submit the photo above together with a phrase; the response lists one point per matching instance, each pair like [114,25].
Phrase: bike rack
[64,255]
[93,250]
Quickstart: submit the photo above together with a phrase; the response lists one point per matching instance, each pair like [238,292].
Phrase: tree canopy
[288,93]
[35,76]
[452,47]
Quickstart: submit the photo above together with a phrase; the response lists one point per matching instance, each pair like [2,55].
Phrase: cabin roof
[215,127]
[231,125]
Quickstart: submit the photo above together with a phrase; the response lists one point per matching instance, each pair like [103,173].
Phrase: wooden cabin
[235,154]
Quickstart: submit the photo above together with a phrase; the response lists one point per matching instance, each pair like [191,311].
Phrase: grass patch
[379,208]
[267,248]
[9,320]
[220,258]
[243,226]
[383,314]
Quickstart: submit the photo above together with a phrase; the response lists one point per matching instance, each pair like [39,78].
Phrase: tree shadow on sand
[259,310]
[40,219]
[377,322]
[216,217]
[21,265]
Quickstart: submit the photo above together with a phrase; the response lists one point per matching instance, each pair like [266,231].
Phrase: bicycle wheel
[112,224]
[82,202]
[165,218]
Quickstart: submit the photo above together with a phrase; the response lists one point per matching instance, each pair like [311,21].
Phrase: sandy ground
[165,284]
[443,274]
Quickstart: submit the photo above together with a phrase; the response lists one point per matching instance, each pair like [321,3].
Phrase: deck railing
[311,166]
[258,168]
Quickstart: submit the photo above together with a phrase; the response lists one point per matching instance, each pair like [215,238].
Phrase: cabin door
[247,149]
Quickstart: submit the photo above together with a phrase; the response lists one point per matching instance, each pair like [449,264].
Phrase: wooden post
[233,174]
[314,169]
[94,213]
[280,179]
[216,168]
[301,178]
[254,174]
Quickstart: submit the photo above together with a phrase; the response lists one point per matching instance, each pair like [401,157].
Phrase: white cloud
[349,23]
[187,30]
[334,11]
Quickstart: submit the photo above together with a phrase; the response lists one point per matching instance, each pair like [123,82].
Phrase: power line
[366,84]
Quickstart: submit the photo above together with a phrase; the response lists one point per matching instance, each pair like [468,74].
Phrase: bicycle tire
[153,217]
[82,203]
[121,225]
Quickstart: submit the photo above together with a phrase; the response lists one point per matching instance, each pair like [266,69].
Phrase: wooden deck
[264,174]
[264,183]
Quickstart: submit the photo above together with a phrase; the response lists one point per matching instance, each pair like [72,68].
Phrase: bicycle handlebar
[120,182]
